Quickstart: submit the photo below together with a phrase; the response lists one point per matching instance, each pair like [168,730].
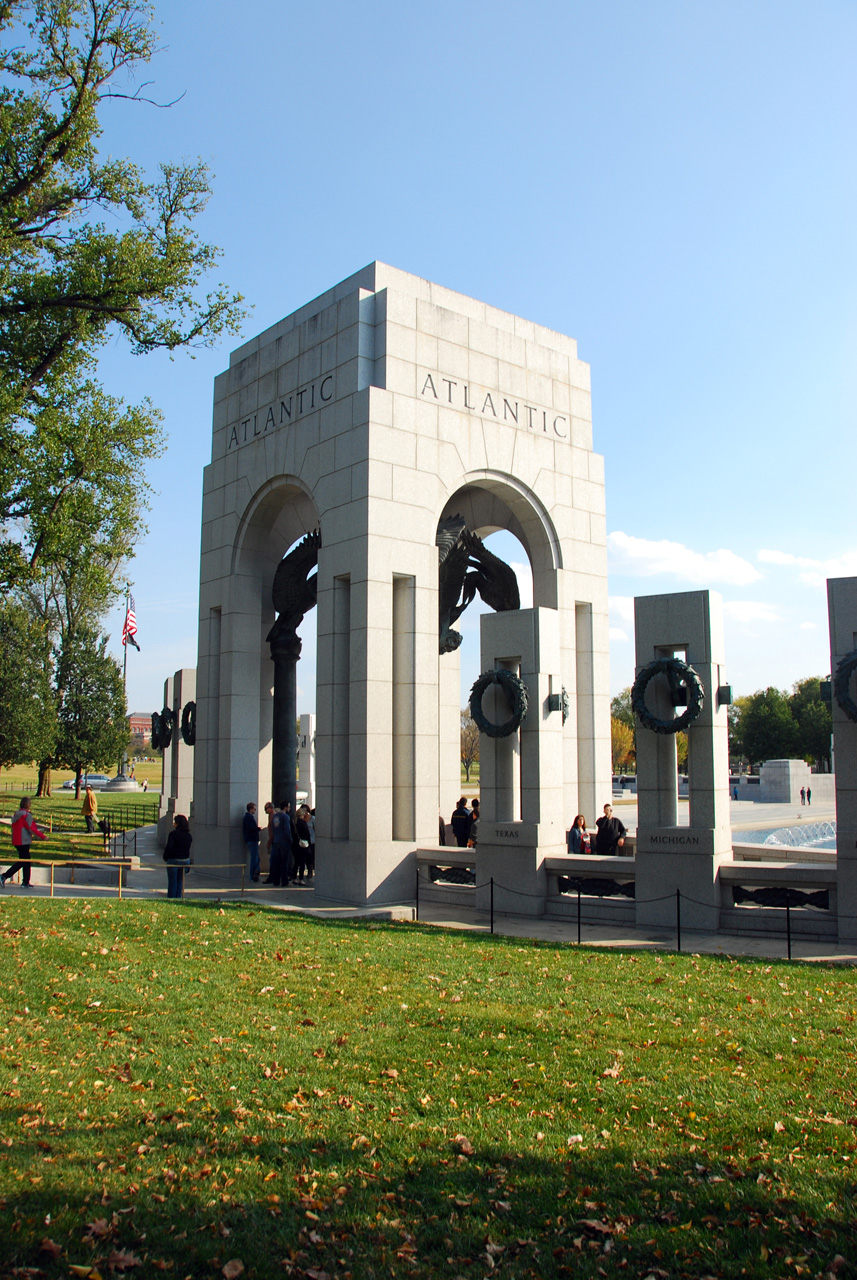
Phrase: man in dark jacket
[611,833]
[251,834]
[461,820]
[281,845]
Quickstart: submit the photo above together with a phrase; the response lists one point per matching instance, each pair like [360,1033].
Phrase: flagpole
[125,651]
[124,672]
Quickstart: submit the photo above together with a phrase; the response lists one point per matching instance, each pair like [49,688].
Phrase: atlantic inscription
[282,412]
[461,394]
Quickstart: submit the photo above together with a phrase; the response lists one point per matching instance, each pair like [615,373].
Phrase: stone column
[687,624]
[521,790]
[285,651]
[842,613]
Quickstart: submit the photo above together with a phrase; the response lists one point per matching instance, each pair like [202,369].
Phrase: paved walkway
[150,882]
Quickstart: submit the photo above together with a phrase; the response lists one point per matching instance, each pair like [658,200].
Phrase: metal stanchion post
[788,924]
[492,904]
[120,881]
[243,869]
[52,879]
[417,895]
[678,919]
[578,913]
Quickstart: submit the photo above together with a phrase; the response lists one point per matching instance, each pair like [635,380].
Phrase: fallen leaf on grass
[86,1273]
[98,1229]
[232,1269]
[50,1247]
[391,1072]
[465,1146]
[779,1127]
[122,1260]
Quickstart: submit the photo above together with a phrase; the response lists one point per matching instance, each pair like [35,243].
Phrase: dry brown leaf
[122,1260]
[50,1247]
[465,1146]
[232,1269]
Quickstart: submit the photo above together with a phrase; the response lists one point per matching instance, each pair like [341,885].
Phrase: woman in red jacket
[23,829]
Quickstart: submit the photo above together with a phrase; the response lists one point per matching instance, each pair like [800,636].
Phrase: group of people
[465,824]
[607,839]
[290,843]
[806,795]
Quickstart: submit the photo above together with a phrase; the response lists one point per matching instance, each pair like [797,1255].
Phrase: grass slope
[201,1090]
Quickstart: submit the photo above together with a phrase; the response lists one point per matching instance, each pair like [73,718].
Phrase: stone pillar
[178,757]
[842,613]
[285,651]
[521,793]
[307,757]
[688,625]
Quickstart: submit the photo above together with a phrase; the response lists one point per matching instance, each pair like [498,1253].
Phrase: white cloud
[622,607]
[814,573]
[751,611]
[524,574]
[616,633]
[809,626]
[645,558]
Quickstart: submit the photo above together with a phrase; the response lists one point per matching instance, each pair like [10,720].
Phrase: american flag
[130,628]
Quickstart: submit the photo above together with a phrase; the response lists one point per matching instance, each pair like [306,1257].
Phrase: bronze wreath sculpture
[162,729]
[841,684]
[188,725]
[683,682]
[514,689]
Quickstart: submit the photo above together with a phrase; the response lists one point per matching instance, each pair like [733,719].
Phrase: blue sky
[673,184]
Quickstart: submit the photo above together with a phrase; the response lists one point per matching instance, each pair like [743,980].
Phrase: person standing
[803,795]
[252,834]
[310,821]
[177,855]
[460,821]
[578,840]
[611,833]
[281,845]
[809,795]
[90,807]
[24,827]
[304,842]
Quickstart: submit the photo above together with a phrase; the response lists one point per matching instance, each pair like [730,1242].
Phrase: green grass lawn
[60,815]
[194,1087]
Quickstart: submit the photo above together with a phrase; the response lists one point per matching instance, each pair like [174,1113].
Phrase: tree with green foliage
[768,728]
[621,709]
[814,721]
[27,709]
[92,729]
[68,281]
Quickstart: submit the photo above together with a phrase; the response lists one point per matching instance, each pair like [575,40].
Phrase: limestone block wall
[842,613]
[374,411]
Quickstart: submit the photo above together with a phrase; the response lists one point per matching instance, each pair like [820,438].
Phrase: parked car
[98,781]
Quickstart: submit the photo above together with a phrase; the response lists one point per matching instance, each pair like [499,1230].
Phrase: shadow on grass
[189,1204]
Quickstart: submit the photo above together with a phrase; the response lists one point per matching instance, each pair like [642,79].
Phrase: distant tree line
[767,725]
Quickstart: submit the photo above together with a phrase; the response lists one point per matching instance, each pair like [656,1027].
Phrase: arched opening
[275,523]
[514,527]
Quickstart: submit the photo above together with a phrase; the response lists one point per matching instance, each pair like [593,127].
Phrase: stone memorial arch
[381,416]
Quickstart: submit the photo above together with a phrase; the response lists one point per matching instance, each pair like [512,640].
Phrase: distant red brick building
[139,725]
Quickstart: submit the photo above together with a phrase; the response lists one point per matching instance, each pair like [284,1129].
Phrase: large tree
[92,729]
[89,246]
[814,720]
[27,709]
[469,741]
[768,728]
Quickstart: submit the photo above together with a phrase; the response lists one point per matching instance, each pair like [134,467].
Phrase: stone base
[680,859]
[519,874]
